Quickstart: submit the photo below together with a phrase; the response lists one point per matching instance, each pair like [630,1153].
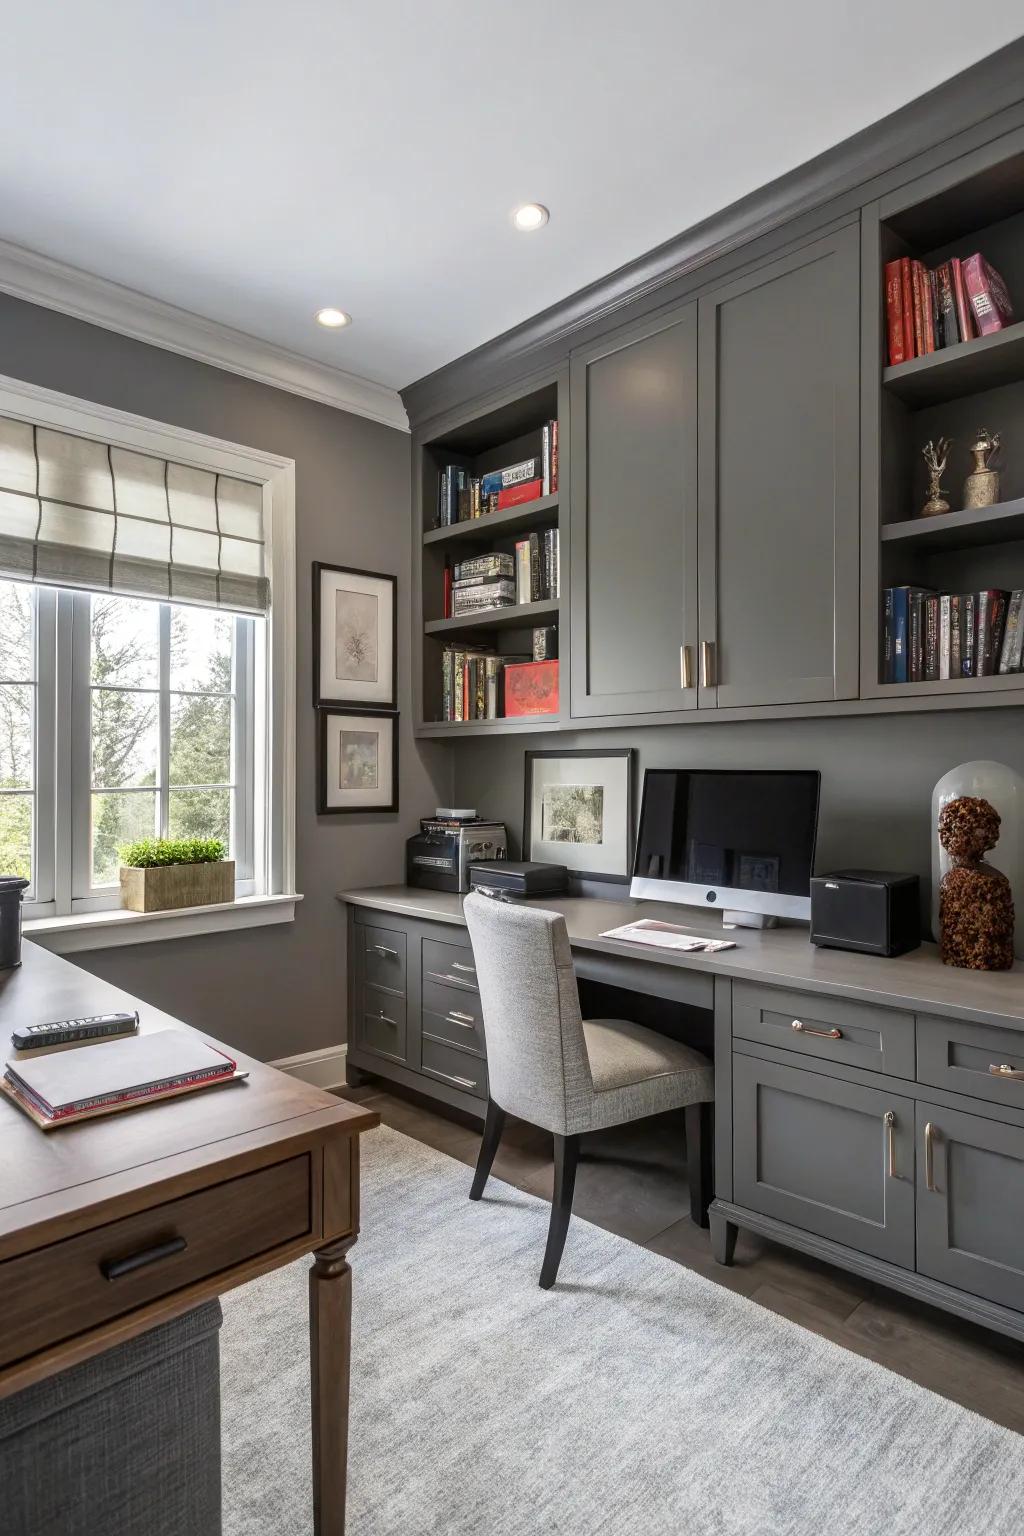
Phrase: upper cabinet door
[634,519]
[779,488]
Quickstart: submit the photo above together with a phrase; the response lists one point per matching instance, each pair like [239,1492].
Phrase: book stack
[929,637]
[462,496]
[536,570]
[472,684]
[480,584]
[927,310]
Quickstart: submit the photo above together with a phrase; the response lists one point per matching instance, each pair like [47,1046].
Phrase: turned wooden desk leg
[330,1341]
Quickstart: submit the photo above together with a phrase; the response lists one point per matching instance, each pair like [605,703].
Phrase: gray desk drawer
[968,1058]
[450,964]
[383,957]
[455,1014]
[457,1027]
[456,1068]
[380,1025]
[828,1028]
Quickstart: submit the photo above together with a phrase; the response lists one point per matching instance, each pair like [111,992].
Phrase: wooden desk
[251,1175]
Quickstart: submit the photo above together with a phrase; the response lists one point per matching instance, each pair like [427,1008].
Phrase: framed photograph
[357,762]
[579,812]
[355,638]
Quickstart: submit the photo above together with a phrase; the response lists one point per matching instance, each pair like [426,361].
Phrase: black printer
[439,855]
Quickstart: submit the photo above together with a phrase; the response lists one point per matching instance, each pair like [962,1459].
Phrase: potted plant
[161,874]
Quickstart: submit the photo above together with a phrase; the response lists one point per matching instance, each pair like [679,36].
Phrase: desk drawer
[456,1068]
[75,1285]
[450,964]
[383,957]
[829,1028]
[968,1058]
[457,1026]
[380,1025]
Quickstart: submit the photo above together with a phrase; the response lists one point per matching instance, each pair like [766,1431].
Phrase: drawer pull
[457,965]
[1005,1071]
[465,1019]
[382,949]
[707,663]
[823,1034]
[929,1159]
[889,1120]
[384,1017]
[447,979]
[462,1082]
[113,1269]
[685,666]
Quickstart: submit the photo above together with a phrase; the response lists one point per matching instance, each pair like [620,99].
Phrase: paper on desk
[664,936]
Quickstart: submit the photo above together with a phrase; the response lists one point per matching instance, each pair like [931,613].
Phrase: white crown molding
[40,280]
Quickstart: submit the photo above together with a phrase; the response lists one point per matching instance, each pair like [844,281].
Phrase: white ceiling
[251,160]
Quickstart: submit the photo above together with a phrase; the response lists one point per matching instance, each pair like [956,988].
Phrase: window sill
[114,929]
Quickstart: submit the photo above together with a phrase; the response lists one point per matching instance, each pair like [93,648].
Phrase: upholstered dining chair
[548,1065]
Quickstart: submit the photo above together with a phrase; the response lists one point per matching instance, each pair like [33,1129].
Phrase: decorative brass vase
[981,488]
[935,456]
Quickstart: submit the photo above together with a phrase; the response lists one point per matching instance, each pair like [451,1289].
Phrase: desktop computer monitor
[736,841]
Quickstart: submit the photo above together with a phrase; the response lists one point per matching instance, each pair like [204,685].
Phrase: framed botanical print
[357,762]
[579,812]
[355,649]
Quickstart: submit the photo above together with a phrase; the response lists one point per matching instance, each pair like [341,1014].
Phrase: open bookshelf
[502,432]
[976,205]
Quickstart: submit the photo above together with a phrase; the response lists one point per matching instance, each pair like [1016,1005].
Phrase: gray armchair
[548,1065]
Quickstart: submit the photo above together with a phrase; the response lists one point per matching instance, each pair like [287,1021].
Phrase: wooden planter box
[171,886]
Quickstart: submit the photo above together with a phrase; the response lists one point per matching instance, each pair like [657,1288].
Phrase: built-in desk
[868,1111]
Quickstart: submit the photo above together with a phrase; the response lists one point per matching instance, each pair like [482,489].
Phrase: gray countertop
[782,956]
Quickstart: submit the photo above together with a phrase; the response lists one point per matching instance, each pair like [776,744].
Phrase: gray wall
[275,991]
[877,771]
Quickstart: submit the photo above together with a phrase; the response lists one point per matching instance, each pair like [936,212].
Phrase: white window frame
[60,920]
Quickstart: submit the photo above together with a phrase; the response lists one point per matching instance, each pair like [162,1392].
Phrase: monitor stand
[748,920]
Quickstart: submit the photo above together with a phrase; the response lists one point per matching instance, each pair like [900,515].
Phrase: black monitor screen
[747,831]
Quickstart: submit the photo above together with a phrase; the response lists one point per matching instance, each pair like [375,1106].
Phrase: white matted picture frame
[355,637]
[357,762]
[579,812]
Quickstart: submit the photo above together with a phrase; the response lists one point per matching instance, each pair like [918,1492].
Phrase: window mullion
[164,776]
[44,746]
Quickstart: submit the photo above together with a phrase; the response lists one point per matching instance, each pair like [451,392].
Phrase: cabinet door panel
[970,1204]
[779,487]
[815,1151]
[634,519]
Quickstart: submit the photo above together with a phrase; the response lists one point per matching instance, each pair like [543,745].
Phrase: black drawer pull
[113,1269]
[384,1018]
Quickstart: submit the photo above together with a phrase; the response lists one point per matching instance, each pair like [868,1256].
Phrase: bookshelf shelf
[519,616]
[960,530]
[504,726]
[986,362]
[496,525]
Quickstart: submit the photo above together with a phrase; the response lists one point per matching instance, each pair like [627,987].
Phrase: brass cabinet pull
[707,663]
[1005,1071]
[685,666]
[465,1019]
[382,949]
[823,1034]
[889,1120]
[929,1159]
[457,965]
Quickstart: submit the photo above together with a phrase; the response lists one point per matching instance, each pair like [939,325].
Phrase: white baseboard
[324,1069]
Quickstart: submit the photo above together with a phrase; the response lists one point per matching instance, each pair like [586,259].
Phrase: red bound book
[987,294]
[447,591]
[515,495]
[894,313]
[531,688]
[917,281]
[908,308]
[964,314]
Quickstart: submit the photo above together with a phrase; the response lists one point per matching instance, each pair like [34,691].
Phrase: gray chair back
[537,1063]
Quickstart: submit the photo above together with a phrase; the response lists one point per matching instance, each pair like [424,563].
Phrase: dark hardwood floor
[632,1181]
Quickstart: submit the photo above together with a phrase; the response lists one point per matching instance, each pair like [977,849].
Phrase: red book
[964,314]
[894,313]
[554,457]
[531,688]
[987,294]
[447,591]
[917,285]
[908,308]
[515,495]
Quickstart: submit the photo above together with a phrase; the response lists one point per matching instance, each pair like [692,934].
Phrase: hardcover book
[497,564]
[513,474]
[987,294]
[531,688]
[894,313]
[964,313]
[515,495]
[909,349]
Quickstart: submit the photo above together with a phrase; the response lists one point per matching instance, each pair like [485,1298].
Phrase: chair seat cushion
[638,1072]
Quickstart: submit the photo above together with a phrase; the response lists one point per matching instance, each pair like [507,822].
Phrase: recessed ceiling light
[530,216]
[333,319]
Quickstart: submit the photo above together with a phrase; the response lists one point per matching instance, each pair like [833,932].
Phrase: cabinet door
[779,486]
[634,519]
[970,1203]
[821,1154]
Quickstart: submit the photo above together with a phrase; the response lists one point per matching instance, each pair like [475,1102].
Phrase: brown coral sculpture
[975,900]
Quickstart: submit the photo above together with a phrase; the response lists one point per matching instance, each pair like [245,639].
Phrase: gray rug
[635,1397]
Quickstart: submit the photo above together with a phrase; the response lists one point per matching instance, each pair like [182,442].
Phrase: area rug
[634,1397]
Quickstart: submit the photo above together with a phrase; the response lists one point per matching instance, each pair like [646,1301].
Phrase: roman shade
[75,512]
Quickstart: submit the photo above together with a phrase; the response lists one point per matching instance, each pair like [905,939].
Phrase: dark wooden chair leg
[700,1159]
[567,1152]
[723,1238]
[494,1124]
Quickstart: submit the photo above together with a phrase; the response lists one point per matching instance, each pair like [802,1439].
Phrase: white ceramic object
[1003,788]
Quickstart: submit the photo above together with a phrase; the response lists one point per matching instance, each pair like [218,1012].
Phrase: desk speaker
[868,910]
